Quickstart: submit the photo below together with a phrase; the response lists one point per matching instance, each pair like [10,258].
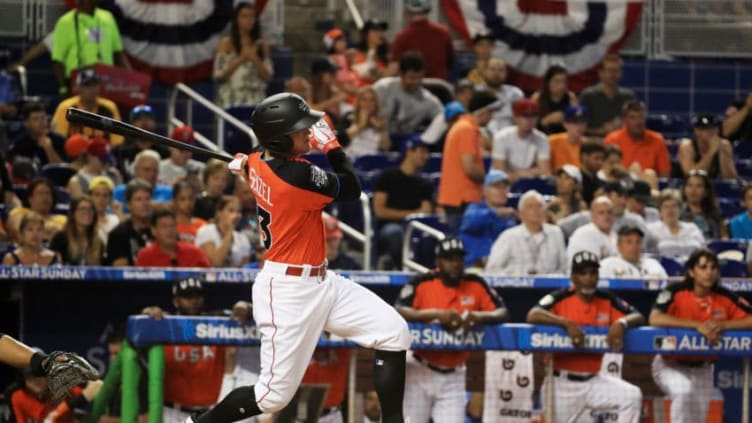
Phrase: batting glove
[323,138]
[237,165]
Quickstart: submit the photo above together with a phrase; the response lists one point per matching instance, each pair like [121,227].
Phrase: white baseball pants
[602,393]
[689,388]
[290,314]
[430,394]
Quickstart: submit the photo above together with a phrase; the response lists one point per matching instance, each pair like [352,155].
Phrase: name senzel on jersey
[220,331]
[260,188]
[431,336]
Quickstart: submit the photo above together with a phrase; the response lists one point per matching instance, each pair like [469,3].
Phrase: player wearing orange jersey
[578,383]
[295,297]
[700,303]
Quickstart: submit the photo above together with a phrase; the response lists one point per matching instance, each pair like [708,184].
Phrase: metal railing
[221,117]
[365,237]
[407,262]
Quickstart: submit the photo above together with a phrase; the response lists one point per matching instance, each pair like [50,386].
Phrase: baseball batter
[698,302]
[579,385]
[458,301]
[295,297]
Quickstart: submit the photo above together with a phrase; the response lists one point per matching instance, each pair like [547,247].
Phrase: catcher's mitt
[65,370]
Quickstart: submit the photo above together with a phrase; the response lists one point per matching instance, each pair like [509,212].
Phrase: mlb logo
[665,343]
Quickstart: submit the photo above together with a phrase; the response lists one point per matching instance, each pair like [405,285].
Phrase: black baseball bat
[113,126]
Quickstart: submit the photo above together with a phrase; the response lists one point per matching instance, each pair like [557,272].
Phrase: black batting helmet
[280,115]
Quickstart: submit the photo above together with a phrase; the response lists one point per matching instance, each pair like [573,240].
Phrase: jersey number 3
[264,220]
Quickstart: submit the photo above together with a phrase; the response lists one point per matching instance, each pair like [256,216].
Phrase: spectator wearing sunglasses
[707,150]
[701,206]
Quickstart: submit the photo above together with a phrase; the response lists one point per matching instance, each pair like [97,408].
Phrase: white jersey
[520,153]
[590,238]
[679,245]
[617,267]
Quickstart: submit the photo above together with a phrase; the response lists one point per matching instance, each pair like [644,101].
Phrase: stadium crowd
[527,181]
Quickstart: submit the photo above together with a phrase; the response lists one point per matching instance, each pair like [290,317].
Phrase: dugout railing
[150,334]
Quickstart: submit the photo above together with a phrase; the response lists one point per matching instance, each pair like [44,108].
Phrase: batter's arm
[349,184]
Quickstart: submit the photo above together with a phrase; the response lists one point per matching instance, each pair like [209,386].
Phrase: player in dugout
[578,384]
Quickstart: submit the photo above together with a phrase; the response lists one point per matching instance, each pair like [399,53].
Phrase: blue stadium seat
[513,199]
[545,186]
[664,183]
[744,168]
[730,207]
[487,163]
[422,246]
[673,148]
[733,269]
[670,126]
[368,180]
[434,163]
[62,196]
[377,161]
[727,188]
[59,174]
[743,149]
[673,267]
[434,178]
[722,245]
[20,191]
[237,141]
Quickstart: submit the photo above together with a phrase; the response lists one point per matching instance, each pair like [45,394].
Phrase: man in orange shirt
[578,383]
[700,303]
[565,146]
[435,380]
[462,171]
[643,150]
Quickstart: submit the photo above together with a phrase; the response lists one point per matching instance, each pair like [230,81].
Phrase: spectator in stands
[85,36]
[404,103]
[108,213]
[484,221]
[617,194]
[741,224]
[345,77]
[368,132]
[592,156]
[578,384]
[568,199]
[435,380]
[223,245]
[97,162]
[38,143]
[605,100]
[494,80]
[598,236]
[462,169]
[707,150]
[639,196]
[248,224]
[565,146]
[398,193]
[165,250]
[738,123]
[336,258]
[132,234]
[372,58]
[430,39]
[522,150]
[180,163]
[435,133]
[141,116]
[30,247]
[613,170]
[483,48]
[553,98]
[533,247]
[9,197]
[242,63]
[670,237]
[630,262]
[644,150]
[41,199]
[701,206]
[699,303]
[79,244]
[183,200]
[326,93]
[216,177]
[90,100]
[146,168]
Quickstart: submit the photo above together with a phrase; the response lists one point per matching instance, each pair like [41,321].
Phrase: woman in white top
[671,237]
[368,133]
[223,245]
[108,212]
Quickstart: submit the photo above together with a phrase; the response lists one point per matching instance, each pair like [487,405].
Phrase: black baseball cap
[583,260]
[322,64]
[481,99]
[450,246]
[631,229]
[483,37]
[705,120]
[640,191]
[375,24]
[87,76]
[191,285]
[614,186]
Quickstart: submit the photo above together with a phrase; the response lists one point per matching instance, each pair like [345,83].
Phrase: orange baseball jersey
[604,309]
[29,409]
[428,291]
[329,366]
[679,300]
[290,195]
[193,374]
[187,230]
